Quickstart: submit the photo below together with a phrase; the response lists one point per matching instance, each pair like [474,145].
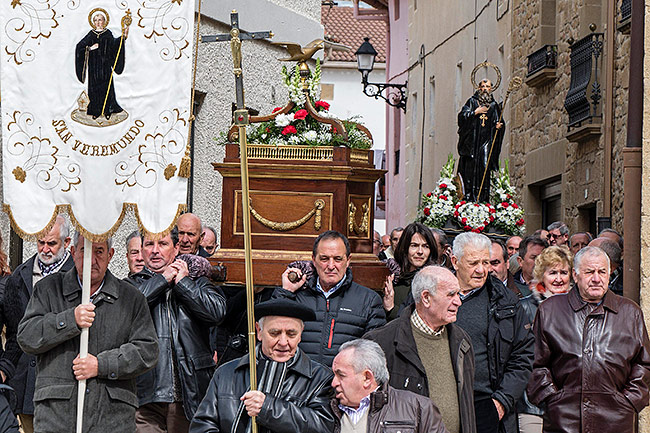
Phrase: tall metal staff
[241,119]
[514,84]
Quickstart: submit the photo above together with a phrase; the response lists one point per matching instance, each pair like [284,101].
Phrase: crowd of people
[473,335]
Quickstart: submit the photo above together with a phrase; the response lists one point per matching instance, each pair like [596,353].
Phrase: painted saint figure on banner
[98,56]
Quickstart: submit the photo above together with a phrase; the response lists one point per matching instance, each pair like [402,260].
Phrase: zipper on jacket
[328,305]
[329,342]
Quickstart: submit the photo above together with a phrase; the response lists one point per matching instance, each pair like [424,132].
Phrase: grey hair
[564,230]
[134,234]
[368,355]
[476,240]
[75,240]
[589,252]
[425,279]
[64,227]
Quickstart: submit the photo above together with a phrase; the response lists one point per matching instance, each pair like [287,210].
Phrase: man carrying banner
[122,345]
[293,392]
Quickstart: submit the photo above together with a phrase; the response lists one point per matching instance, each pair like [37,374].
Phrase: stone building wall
[540,121]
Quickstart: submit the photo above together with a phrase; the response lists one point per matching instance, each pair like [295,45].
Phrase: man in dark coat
[122,345]
[52,257]
[478,122]
[366,403]
[293,391]
[592,354]
[500,331]
[344,309]
[183,310]
[429,354]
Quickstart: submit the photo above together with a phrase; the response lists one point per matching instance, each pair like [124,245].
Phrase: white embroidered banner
[95,110]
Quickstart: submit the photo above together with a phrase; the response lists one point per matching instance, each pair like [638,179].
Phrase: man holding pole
[122,345]
[183,310]
[293,393]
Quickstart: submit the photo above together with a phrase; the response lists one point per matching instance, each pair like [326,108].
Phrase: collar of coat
[346,284]
[301,366]
[610,301]
[71,286]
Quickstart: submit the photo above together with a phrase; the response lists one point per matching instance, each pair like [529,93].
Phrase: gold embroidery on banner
[319,204]
[164,27]
[38,154]
[169,171]
[61,128]
[34,21]
[154,157]
[353,227]
[66,208]
[19,174]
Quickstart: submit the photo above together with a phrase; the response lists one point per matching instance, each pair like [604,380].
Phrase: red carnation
[464,220]
[290,129]
[442,197]
[467,228]
[427,212]
[515,206]
[476,230]
[456,214]
[505,204]
[508,196]
[491,218]
[277,109]
[322,104]
[300,114]
[520,222]
[476,204]
[429,194]
[462,202]
[443,185]
[493,210]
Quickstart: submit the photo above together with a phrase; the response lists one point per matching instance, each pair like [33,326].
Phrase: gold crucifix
[483,118]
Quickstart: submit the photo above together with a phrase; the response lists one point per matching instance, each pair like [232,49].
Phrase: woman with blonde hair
[552,273]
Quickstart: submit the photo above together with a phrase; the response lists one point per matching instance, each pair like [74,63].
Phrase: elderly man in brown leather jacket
[592,354]
[365,403]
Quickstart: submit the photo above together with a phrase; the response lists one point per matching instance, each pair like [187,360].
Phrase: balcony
[626,17]
[541,66]
[583,100]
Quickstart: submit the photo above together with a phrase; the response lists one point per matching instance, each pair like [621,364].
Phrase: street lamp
[395,93]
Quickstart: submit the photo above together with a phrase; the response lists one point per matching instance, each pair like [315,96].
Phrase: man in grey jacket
[122,345]
[366,403]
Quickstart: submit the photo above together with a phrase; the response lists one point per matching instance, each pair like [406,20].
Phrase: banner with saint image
[95,111]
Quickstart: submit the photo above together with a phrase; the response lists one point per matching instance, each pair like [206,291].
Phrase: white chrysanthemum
[283,120]
[310,135]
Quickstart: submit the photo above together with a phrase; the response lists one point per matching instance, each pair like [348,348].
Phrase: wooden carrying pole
[83,345]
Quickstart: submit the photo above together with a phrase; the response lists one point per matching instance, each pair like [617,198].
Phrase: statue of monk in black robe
[478,122]
[95,56]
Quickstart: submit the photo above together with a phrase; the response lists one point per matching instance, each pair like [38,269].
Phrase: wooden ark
[298,192]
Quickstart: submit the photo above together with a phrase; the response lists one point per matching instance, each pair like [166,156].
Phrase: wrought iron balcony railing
[583,100]
[544,58]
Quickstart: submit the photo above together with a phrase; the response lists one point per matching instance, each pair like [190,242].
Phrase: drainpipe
[632,159]
[610,35]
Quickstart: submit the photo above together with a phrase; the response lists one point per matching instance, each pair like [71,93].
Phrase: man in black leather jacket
[293,391]
[183,310]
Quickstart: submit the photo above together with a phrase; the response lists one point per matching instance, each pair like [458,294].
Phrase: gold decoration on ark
[353,227]
[319,204]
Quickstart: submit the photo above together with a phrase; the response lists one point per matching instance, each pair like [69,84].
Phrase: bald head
[190,233]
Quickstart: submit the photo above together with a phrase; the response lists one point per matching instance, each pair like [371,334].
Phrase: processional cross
[241,119]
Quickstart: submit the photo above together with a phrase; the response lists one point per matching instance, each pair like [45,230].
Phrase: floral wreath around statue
[442,205]
[298,127]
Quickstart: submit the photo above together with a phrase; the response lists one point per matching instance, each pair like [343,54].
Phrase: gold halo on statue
[486,65]
[93,12]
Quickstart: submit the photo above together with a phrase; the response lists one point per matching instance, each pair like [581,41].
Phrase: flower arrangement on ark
[442,206]
[296,126]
